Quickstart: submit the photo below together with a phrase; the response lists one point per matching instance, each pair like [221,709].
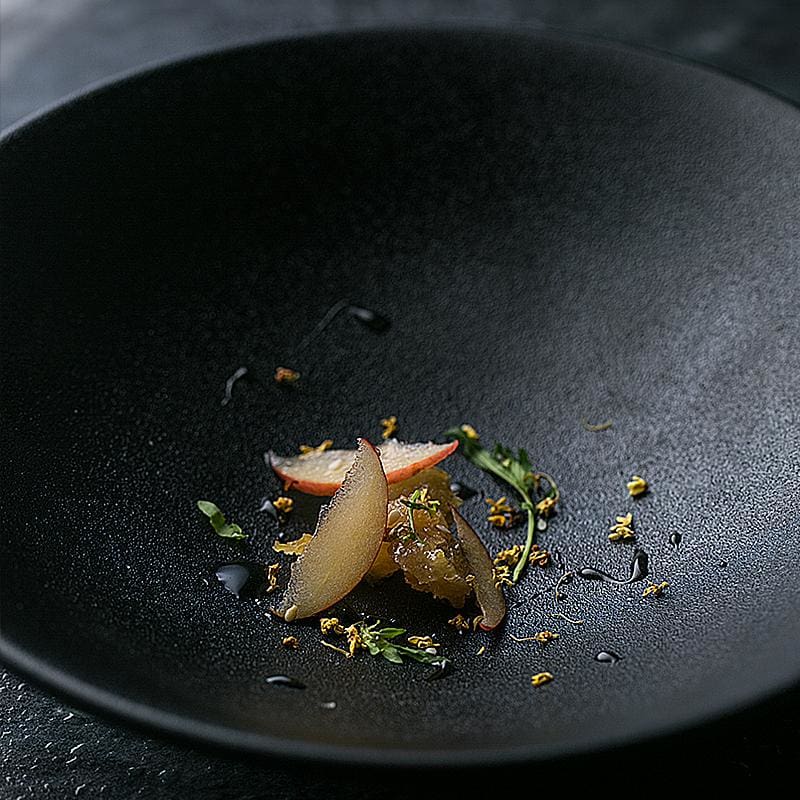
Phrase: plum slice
[348,536]
[322,473]
[489,596]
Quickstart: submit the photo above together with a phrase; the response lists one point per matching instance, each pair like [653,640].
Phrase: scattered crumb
[286,375]
[539,556]
[423,642]
[543,637]
[283,504]
[510,556]
[541,678]
[331,625]
[655,589]
[272,578]
[545,506]
[459,622]
[603,426]
[307,450]
[295,548]
[637,486]
[482,650]
[501,514]
[623,530]
[389,427]
[291,642]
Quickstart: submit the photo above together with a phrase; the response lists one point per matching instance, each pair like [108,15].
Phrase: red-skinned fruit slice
[322,473]
[489,596]
[347,539]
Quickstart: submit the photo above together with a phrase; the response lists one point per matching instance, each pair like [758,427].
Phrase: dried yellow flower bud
[307,450]
[294,548]
[284,504]
[655,589]
[636,486]
[286,375]
[389,427]
[470,432]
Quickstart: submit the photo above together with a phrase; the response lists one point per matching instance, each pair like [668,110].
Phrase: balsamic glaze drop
[268,507]
[462,491]
[607,657]
[639,571]
[369,319]
[285,680]
[440,671]
[244,579]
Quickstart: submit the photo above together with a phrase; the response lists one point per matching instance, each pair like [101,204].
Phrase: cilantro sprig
[517,472]
[218,523]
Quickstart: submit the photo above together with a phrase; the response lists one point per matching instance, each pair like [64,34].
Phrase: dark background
[49,48]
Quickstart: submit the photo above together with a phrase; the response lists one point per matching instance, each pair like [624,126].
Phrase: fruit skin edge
[288,608]
[327,489]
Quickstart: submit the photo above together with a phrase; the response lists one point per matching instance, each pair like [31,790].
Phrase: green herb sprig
[381,641]
[217,518]
[516,471]
[419,500]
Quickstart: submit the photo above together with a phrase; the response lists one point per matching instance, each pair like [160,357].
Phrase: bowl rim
[152,719]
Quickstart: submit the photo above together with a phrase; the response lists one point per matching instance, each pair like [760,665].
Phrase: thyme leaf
[381,641]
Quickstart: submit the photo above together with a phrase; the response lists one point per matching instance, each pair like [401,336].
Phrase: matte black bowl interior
[557,230]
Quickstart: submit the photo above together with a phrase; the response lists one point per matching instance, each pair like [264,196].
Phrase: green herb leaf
[516,471]
[392,633]
[218,523]
[391,654]
[380,641]
[419,500]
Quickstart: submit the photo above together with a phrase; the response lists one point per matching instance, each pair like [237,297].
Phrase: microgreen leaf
[217,518]
[380,641]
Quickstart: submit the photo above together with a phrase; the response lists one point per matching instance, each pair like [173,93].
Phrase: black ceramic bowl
[557,231]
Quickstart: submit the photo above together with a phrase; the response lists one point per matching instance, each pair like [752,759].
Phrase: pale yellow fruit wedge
[489,596]
[347,539]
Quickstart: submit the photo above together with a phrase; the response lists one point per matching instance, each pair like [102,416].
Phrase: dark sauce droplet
[675,539]
[369,319]
[268,507]
[440,671]
[607,657]
[285,680]
[462,491]
[242,578]
[638,572]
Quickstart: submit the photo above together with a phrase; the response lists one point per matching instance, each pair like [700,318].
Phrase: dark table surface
[49,48]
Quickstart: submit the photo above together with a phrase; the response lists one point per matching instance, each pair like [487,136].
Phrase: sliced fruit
[489,596]
[322,473]
[437,482]
[383,566]
[349,534]
[429,556]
